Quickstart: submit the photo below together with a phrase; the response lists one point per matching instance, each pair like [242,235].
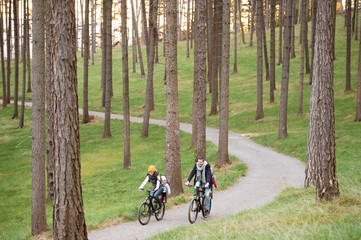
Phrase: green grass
[110,193]
[294,215]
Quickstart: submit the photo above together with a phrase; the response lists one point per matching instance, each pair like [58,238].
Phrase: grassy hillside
[107,189]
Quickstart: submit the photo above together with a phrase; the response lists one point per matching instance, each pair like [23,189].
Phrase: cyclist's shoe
[159,209]
[206,213]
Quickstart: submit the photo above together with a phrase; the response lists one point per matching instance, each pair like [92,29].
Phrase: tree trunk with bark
[259,32]
[302,58]
[252,23]
[266,62]
[273,50]
[282,129]
[28,46]
[8,54]
[126,114]
[321,157]
[235,36]
[293,53]
[135,24]
[93,29]
[210,42]
[86,118]
[108,67]
[16,46]
[68,213]
[358,103]
[223,157]
[200,32]
[240,22]
[172,141]
[38,188]
[5,102]
[24,58]
[280,24]
[50,99]
[149,89]
[348,48]
[188,19]
[314,13]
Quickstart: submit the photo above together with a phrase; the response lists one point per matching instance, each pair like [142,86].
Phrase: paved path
[268,174]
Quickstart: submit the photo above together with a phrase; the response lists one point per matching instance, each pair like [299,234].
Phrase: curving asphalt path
[268,174]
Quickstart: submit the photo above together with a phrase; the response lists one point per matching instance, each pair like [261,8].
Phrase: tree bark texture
[24,58]
[253,11]
[358,103]
[38,214]
[200,32]
[86,118]
[321,158]
[28,47]
[240,21]
[273,50]
[266,62]
[68,213]
[172,139]
[348,48]
[188,19]
[8,54]
[5,101]
[195,98]
[135,25]
[259,32]
[126,114]
[302,57]
[108,67]
[16,49]
[280,24]
[282,129]
[149,94]
[235,35]
[314,20]
[210,43]
[223,158]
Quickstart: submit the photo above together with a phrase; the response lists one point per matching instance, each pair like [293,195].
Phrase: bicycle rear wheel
[159,215]
[204,205]
[193,211]
[144,213]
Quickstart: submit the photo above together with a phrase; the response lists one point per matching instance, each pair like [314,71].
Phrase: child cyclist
[154,177]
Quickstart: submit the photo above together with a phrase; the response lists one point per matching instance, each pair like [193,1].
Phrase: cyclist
[203,176]
[154,177]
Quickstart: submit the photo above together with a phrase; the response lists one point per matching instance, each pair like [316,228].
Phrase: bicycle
[197,204]
[148,207]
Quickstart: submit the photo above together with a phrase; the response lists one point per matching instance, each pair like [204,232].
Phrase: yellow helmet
[151,168]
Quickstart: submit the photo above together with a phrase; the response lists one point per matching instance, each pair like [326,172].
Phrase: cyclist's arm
[144,182]
[209,175]
[158,183]
[192,174]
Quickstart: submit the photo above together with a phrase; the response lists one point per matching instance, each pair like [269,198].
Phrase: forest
[93,92]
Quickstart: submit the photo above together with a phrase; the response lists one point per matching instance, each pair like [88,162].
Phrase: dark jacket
[208,175]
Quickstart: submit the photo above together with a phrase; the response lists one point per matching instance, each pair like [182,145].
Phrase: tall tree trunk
[181,2]
[216,45]
[307,57]
[314,13]
[68,213]
[356,24]
[188,19]
[86,118]
[144,26]
[273,51]
[321,158]
[50,99]
[82,27]
[5,102]
[223,158]
[156,32]
[195,99]
[93,29]
[266,62]
[172,141]
[38,213]
[241,22]
[134,47]
[200,32]
[267,13]
[149,94]
[354,16]
[209,6]
[293,53]
[16,46]
[259,32]
[235,36]
[8,54]
[280,23]
[135,24]
[282,130]
[252,23]
[24,51]
[28,47]
[302,58]
[104,56]
[348,49]
[108,66]
[358,104]
[126,115]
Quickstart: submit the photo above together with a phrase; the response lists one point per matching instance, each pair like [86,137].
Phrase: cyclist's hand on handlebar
[140,189]
[186,183]
[207,185]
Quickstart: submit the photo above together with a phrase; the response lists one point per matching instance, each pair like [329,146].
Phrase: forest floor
[268,174]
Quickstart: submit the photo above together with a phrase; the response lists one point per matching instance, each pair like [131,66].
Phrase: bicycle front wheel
[193,211]
[159,215]
[144,213]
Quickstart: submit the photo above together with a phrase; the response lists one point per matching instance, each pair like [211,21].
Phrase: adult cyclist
[203,176]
